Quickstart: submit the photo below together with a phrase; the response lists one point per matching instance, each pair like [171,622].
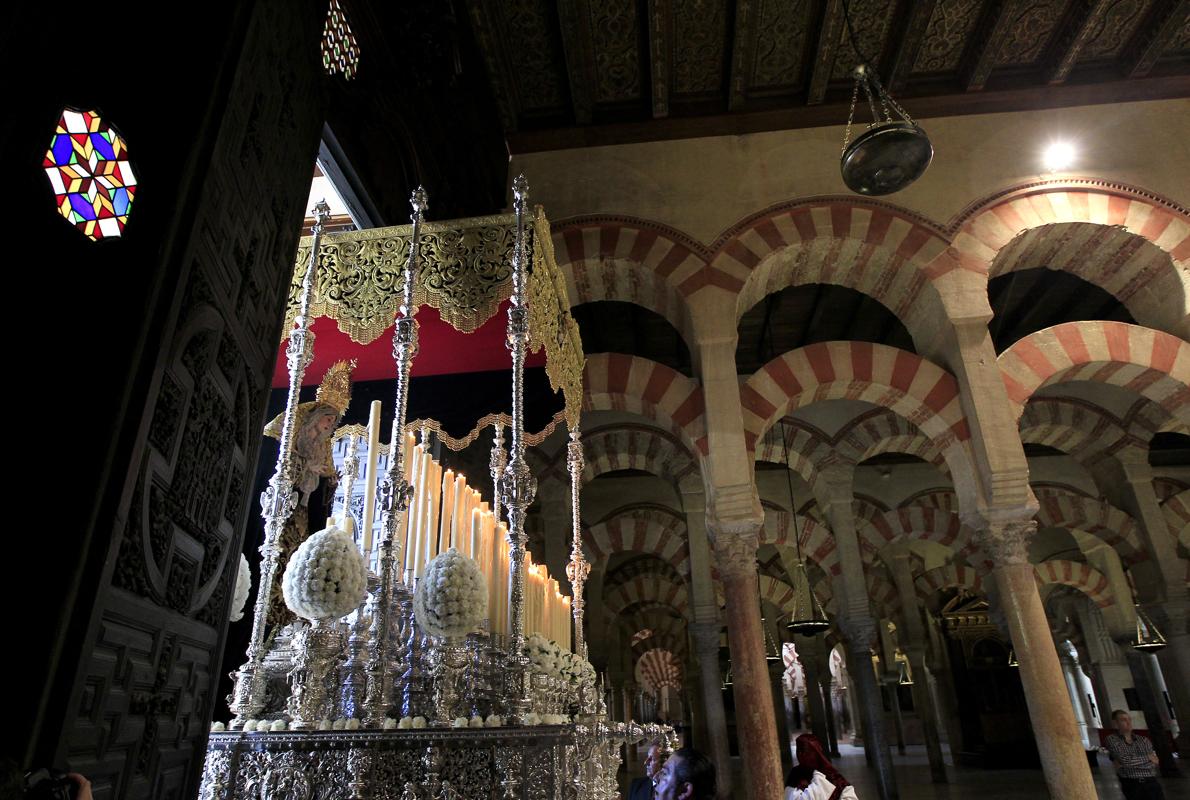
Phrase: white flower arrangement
[389,723]
[419,723]
[459,722]
[239,598]
[493,721]
[278,725]
[218,727]
[405,723]
[324,724]
[452,598]
[544,655]
[250,726]
[476,722]
[326,578]
[577,670]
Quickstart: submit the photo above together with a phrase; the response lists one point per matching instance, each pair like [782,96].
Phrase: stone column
[859,633]
[784,734]
[756,724]
[706,645]
[915,648]
[1169,596]
[628,690]
[828,703]
[696,706]
[857,625]
[1143,667]
[807,650]
[1063,761]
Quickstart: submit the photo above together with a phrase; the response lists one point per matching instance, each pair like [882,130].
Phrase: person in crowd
[1134,759]
[687,775]
[815,777]
[642,788]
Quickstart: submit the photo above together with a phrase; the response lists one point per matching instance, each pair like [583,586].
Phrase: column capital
[1004,536]
[859,630]
[735,549]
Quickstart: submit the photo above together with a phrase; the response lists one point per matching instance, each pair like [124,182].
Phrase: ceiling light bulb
[1059,156]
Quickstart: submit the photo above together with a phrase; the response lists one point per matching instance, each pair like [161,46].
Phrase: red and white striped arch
[633,261]
[1078,428]
[887,377]
[1150,363]
[914,523]
[882,431]
[1096,517]
[639,447]
[645,591]
[879,250]
[1127,266]
[659,669]
[1078,575]
[618,382]
[1176,511]
[948,576]
[816,540]
[658,532]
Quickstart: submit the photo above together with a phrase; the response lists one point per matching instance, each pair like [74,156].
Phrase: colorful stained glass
[340,53]
[87,164]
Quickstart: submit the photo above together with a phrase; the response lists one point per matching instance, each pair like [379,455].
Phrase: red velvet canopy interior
[443,350]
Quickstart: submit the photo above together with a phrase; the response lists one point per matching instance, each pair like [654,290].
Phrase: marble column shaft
[706,645]
[756,723]
[1062,757]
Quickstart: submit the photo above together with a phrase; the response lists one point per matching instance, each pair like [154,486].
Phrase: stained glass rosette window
[87,164]
[340,53]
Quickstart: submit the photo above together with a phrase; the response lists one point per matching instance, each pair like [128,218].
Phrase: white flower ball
[406,723]
[452,598]
[493,721]
[419,722]
[459,722]
[338,724]
[352,724]
[218,727]
[239,599]
[250,726]
[278,725]
[389,723]
[476,722]
[324,724]
[326,577]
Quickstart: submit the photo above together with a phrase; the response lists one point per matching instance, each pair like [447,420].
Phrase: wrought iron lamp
[727,681]
[1012,662]
[894,151]
[906,678]
[808,618]
[1148,638]
[772,652]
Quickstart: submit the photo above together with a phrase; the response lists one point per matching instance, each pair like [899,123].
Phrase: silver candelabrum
[279,500]
[517,485]
[395,491]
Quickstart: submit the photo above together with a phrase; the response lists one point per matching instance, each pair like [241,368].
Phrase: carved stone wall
[144,695]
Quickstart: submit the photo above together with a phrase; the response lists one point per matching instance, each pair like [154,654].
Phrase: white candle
[446,525]
[473,542]
[370,476]
[412,514]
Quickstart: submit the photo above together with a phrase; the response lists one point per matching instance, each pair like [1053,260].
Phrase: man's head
[687,775]
[653,761]
[1122,720]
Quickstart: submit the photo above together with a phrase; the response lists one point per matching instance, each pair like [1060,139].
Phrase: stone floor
[966,783]
[913,780]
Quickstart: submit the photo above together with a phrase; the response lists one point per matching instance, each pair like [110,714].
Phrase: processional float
[401,690]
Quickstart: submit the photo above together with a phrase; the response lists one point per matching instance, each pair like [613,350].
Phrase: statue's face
[324,424]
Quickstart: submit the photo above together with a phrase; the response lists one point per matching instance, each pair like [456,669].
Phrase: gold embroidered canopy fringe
[465,273]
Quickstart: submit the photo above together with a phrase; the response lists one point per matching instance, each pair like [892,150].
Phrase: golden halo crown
[335,389]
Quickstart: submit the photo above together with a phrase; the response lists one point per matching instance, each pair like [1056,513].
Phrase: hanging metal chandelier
[808,617]
[772,652]
[905,679]
[1148,638]
[1012,662]
[894,151]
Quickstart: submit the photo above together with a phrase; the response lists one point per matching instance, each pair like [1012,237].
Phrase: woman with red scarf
[815,777]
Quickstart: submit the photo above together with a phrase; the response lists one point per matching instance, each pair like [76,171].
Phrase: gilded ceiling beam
[909,43]
[574,19]
[824,57]
[743,53]
[660,45]
[997,24]
[1168,19]
[1088,18]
